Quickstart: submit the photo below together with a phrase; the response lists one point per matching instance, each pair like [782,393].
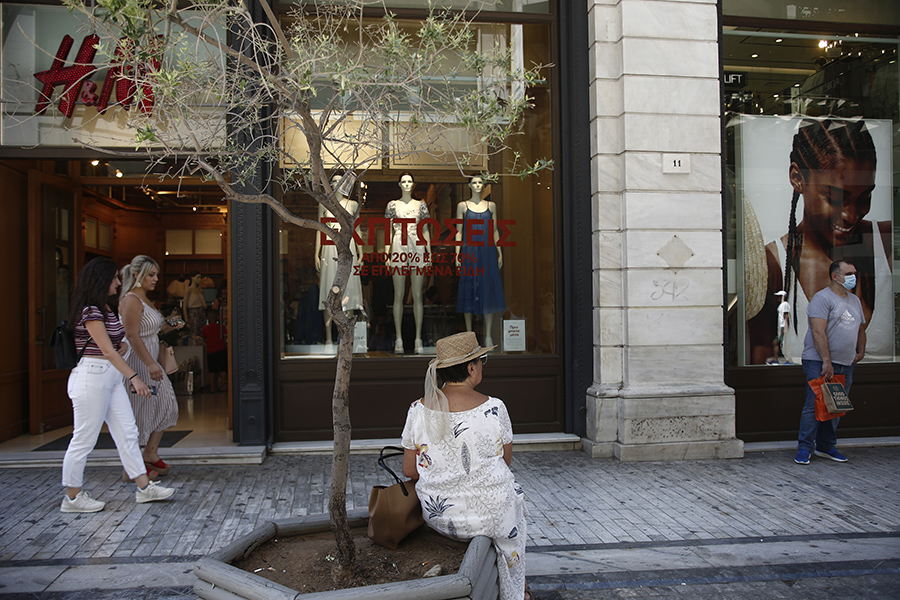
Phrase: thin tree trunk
[340,407]
[340,462]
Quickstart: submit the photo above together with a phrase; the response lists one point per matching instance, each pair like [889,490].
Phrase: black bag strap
[83,348]
[63,328]
[394,452]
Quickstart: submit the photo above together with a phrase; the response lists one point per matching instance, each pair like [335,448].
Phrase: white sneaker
[152,493]
[82,503]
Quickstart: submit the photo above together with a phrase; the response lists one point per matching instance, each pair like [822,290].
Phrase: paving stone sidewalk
[577,506]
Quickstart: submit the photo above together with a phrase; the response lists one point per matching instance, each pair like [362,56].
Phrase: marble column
[658,391]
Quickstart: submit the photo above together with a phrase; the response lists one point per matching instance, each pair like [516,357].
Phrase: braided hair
[820,144]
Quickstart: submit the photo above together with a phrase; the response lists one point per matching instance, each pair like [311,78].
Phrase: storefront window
[518,6]
[514,6]
[499,283]
[883,12]
[36,108]
[811,159]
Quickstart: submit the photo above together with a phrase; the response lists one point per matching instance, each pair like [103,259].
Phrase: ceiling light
[778,40]
[754,56]
[823,44]
[95,162]
[118,173]
[195,209]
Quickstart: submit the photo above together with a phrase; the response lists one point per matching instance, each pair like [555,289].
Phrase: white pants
[97,393]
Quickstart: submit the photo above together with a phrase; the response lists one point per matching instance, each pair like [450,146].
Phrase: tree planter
[218,580]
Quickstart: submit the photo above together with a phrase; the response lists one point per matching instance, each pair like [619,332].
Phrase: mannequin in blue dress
[480,287]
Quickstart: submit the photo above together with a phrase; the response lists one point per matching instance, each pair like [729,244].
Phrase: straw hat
[456,349]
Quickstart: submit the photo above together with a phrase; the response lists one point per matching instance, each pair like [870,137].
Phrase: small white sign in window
[514,335]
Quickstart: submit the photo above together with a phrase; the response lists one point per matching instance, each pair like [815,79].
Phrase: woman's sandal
[152,475]
[159,466]
[528,595]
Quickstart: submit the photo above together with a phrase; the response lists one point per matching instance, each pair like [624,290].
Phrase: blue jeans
[819,435]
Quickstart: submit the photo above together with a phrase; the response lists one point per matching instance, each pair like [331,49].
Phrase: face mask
[849,282]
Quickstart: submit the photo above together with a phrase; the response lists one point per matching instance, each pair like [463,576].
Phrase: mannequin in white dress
[326,263]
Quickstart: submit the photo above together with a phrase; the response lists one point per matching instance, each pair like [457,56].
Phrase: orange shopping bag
[815,385]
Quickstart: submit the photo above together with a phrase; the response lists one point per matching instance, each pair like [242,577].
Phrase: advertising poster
[837,174]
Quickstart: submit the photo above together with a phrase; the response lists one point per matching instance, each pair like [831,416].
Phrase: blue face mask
[849,282]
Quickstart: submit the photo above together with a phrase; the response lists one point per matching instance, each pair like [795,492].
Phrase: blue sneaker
[802,457]
[832,454]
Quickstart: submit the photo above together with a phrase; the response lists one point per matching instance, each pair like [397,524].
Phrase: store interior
[117,209]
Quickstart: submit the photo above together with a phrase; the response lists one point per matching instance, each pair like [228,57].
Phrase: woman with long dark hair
[95,387]
[832,167]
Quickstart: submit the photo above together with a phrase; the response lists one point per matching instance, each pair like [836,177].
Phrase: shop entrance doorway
[73,211]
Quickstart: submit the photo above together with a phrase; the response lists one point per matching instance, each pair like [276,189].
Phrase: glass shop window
[811,177]
[500,282]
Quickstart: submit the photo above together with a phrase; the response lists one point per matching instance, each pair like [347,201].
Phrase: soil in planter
[306,562]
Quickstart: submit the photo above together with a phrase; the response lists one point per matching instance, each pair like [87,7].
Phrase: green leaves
[374,89]
[145,134]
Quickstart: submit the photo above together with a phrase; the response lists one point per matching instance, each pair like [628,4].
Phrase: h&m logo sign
[77,85]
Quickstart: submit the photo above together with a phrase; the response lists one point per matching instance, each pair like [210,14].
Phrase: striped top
[114,328]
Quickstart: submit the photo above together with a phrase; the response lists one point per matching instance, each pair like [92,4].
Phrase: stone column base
[598,449]
[661,424]
[679,451]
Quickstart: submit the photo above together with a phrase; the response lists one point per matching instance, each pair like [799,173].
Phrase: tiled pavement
[757,527]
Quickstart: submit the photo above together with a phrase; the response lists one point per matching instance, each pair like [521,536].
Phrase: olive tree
[221,87]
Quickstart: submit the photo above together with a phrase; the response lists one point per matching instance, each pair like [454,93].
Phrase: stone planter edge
[218,580]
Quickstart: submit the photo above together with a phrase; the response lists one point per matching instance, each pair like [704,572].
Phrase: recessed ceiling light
[823,44]
[754,56]
[778,40]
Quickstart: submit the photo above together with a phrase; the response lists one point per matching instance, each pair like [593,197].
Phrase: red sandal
[159,466]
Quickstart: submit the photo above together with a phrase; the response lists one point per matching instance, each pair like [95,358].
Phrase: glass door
[54,244]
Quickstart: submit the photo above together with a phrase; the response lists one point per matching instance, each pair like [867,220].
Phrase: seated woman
[458,445]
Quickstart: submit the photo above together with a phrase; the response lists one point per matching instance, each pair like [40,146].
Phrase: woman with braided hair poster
[826,198]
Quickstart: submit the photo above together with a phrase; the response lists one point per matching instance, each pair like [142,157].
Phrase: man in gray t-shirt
[835,342]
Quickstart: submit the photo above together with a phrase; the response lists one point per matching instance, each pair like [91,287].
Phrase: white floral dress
[466,488]
[404,253]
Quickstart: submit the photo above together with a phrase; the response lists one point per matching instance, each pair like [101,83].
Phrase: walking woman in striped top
[159,411]
[97,392]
